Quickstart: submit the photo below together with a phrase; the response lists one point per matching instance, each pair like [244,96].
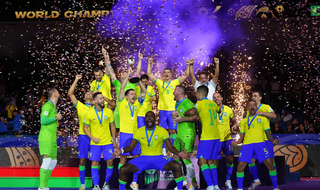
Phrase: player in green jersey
[186,133]
[48,137]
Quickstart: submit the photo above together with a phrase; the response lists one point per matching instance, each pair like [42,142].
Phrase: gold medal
[101,124]
[219,121]
[148,144]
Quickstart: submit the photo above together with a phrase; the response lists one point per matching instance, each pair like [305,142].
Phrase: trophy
[133,78]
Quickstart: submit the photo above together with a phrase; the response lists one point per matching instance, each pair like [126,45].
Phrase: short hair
[128,91]
[95,95]
[257,91]
[51,91]
[203,90]
[167,69]
[182,89]
[151,112]
[15,111]
[97,69]
[144,76]
[203,73]
[251,101]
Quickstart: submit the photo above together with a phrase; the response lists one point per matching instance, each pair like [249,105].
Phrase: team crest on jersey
[171,87]
[156,137]
[105,117]
[46,113]
[259,120]
[181,110]
[149,94]
[225,114]
[51,151]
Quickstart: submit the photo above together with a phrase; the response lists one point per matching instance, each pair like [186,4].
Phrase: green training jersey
[48,132]
[185,128]
[117,85]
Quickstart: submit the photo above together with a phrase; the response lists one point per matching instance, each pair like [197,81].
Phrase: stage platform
[293,185]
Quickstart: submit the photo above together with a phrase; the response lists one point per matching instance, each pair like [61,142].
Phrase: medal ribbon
[149,140]
[131,110]
[220,116]
[100,119]
[249,123]
[259,107]
[164,89]
[178,103]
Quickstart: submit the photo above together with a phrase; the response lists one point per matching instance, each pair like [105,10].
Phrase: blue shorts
[227,148]
[125,140]
[165,120]
[83,146]
[259,149]
[150,162]
[106,150]
[141,121]
[209,149]
[269,148]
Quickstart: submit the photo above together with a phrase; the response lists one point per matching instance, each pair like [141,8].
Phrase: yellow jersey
[208,113]
[156,140]
[166,97]
[93,118]
[224,123]
[264,108]
[128,115]
[104,86]
[82,111]
[147,103]
[256,132]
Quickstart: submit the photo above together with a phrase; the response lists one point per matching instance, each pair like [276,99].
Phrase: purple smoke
[173,30]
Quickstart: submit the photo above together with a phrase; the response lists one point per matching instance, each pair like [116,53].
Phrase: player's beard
[101,105]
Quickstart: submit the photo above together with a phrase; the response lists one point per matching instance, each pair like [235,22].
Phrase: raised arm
[186,74]
[111,103]
[123,85]
[216,71]
[143,90]
[180,119]
[149,72]
[108,68]
[192,77]
[138,70]
[73,98]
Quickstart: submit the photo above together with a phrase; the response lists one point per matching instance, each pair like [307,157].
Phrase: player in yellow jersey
[102,81]
[225,117]
[100,120]
[166,104]
[129,106]
[84,140]
[253,128]
[151,137]
[147,104]
[209,149]
[266,111]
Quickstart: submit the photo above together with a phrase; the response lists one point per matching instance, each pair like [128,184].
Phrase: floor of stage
[295,185]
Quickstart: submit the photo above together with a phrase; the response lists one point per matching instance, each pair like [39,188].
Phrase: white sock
[216,187]
[228,182]
[257,180]
[134,183]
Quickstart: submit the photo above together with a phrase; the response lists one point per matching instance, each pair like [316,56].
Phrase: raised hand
[150,60]
[104,51]
[187,62]
[78,77]
[58,116]
[191,61]
[140,55]
[216,60]
[130,71]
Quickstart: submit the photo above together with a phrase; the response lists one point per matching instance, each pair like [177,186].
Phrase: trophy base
[134,80]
